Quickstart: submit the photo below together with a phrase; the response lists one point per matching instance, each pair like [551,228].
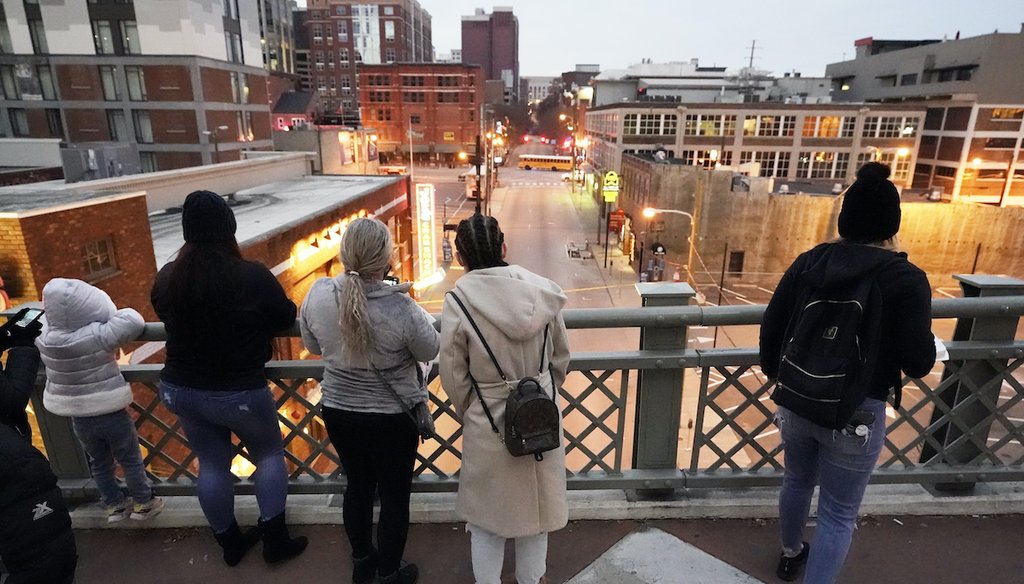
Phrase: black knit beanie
[206,217]
[871,206]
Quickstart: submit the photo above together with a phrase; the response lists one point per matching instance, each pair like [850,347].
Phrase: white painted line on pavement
[766,290]
[734,408]
[944,293]
[737,294]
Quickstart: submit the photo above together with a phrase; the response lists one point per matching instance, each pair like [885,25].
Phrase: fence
[626,411]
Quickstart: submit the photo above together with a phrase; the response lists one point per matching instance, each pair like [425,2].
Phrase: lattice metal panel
[594,420]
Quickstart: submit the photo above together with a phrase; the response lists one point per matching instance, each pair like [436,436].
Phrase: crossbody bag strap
[472,380]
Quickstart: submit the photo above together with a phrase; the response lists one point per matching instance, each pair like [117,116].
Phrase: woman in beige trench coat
[501,496]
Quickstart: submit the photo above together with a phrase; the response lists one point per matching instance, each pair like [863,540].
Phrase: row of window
[379,80]
[359,28]
[769,126]
[419,97]
[650,124]
[356,11]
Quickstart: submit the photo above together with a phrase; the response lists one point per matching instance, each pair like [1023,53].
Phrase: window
[109,84]
[890,127]
[233,47]
[448,81]
[321,84]
[37,33]
[136,83]
[98,259]
[650,124]
[704,158]
[55,123]
[389,30]
[909,79]
[103,37]
[343,31]
[447,98]
[945,171]
[117,126]
[343,56]
[130,37]
[379,96]
[239,88]
[46,83]
[389,11]
[378,80]
[413,81]
[231,9]
[332,85]
[414,97]
[1000,143]
[346,83]
[5,37]
[10,84]
[143,127]
[383,115]
[318,60]
[772,163]
[823,165]
[339,10]
[389,55]
[1001,114]
[356,28]
[709,125]
[318,34]
[414,119]
[19,122]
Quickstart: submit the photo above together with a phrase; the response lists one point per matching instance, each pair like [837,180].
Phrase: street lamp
[213,136]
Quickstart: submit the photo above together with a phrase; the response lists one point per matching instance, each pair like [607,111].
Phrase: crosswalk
[529,183]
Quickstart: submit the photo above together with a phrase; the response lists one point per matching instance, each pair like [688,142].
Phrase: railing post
[67,459]
[659,391]
[974,415]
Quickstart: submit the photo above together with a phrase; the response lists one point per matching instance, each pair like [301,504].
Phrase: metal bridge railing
[658,417]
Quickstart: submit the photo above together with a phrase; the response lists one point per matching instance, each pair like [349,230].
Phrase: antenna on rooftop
[752,47]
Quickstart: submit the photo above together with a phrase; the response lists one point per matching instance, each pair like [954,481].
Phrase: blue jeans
[112,437]
[840,462]
[209,418]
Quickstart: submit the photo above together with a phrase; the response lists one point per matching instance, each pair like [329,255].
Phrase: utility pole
[477,161]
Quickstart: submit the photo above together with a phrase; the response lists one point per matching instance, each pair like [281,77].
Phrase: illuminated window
[1008,113]
[98,259]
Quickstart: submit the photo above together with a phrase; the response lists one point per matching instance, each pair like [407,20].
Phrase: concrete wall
[30,152]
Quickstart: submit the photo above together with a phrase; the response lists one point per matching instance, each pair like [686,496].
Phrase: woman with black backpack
[860,290]
[518,315]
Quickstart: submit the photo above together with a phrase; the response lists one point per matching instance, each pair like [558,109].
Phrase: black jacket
[232,352]
[32,512]
[906,338]
[16,383]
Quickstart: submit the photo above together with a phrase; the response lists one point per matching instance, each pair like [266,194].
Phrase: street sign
[615,220]
[449,136]
[610,186]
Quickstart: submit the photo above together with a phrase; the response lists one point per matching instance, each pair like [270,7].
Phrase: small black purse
[419,413]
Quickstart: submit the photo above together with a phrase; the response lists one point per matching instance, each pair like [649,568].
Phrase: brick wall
[168,83]
[173,160]
[174,126]
[87,125]
[15,267]
[216,85]
[54,241]
[79,82]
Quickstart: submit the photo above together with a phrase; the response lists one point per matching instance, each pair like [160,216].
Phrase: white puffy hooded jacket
[82,330]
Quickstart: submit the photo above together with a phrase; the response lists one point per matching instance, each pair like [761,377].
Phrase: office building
[492,41]
[973,92]
[431,108]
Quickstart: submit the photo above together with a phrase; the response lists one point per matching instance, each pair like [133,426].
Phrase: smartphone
[31,315]
[390,280]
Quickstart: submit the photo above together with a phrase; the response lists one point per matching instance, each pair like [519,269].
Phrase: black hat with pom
[871,206]
[206,217]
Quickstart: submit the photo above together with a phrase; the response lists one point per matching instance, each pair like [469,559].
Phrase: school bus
[544,162]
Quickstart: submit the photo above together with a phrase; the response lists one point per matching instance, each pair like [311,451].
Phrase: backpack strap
[472,380]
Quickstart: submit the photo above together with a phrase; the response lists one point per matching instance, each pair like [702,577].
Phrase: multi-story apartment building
[344,34]
[792,142]
[303,68]
[185,82]
[973,90]
[438,102]
[535,89]
[492,41]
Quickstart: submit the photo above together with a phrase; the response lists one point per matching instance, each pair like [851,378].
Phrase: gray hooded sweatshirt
[403,334]
[82,330]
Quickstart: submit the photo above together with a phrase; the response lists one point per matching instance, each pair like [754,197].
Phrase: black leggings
[378,452]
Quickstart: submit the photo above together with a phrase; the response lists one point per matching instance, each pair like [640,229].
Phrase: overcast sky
[801,35]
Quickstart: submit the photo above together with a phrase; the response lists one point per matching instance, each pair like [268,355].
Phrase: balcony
[688,432]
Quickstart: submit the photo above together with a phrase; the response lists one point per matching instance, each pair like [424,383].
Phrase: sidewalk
[611,540]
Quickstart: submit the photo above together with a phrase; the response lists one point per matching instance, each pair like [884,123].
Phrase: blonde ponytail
[366,250]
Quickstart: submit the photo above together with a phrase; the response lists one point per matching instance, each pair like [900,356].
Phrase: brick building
[440,102]
[973,92]
[180,80]
[344,34]
[492,41]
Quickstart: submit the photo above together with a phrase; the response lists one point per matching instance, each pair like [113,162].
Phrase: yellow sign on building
[449,136]
[610,186]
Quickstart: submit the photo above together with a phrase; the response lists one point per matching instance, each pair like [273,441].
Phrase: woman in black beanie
[221,314]
[841,460]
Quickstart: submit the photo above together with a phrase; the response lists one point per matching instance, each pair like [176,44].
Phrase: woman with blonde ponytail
[371,335]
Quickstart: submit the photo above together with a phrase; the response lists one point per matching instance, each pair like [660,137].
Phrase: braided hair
[479,241]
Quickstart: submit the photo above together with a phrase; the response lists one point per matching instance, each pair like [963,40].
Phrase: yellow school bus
[544,162]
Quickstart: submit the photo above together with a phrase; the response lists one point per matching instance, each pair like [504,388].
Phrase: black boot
[364,569]
[407,574]
[277,545]
[235,543]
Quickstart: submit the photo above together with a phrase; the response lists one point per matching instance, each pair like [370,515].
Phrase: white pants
[488,551]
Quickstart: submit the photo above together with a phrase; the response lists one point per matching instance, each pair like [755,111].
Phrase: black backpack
[533,422]
[830,352]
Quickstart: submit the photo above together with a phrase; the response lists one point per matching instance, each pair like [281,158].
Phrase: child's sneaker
[119,511]
[144,511]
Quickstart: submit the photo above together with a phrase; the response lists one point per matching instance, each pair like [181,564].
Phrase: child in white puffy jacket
[82,332]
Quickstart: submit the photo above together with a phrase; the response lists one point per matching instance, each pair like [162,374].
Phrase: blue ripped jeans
[841,462]
[209,418]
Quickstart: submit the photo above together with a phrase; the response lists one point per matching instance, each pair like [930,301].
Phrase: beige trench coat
[506,495]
